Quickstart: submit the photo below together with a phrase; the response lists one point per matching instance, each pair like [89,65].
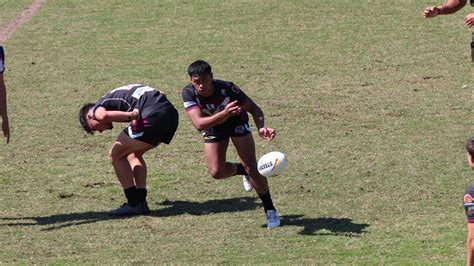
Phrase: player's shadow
[324,226]
[310,226]
[57,221]
[173,208]
[179,207]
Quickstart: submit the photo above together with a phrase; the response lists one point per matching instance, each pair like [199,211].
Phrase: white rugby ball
[272,163]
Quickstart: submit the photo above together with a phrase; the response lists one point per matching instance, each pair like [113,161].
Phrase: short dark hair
[470,146]
[83,117]
[199,68]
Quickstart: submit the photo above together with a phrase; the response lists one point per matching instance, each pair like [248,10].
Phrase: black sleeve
[188,98]
[2,60]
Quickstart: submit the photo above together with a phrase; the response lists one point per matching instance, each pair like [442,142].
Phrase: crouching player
[219,110]
[153,120]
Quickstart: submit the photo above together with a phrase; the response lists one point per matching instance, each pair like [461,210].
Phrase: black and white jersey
[132,96]
[2,60]
[224,93]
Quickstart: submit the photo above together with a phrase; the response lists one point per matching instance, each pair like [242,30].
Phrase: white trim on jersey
[133,136]
[126,87]
[189,104]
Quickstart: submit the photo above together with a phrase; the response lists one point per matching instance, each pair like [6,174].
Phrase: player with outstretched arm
[153,120]
[219,110]
[449,7]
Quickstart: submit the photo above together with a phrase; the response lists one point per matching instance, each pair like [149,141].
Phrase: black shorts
[157,127]
[218,134]
[469,204]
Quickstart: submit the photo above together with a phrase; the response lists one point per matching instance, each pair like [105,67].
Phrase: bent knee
[217,173]
[110,155]
[115,154]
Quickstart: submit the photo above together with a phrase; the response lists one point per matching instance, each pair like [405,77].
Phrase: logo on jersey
[467,198]
[235,89]
[140,91]
[239,129]
[242,129]
[211,109]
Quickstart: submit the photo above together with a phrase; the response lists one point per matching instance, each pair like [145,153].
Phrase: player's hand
[267,133]
[469,20]
[431,12]
[232,109]
[135,117]
[6,131]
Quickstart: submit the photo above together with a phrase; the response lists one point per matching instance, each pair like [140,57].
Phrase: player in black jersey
[3,100]
[153,120]
[219,110]
[450,7]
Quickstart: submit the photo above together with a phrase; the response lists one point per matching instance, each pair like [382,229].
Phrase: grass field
[371,101]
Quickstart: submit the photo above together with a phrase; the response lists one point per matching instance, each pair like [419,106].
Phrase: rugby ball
[272,164]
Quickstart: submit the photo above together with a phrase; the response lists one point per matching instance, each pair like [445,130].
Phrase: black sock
[240,169]
[141,194]
[131,194]
[267,201]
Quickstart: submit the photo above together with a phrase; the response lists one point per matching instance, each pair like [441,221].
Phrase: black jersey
[133,96]
[224,93]
[2,60]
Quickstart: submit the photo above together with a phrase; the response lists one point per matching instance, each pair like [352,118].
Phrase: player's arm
[101,114]
[259,119]
[451,6]
[201,122]
[470,244]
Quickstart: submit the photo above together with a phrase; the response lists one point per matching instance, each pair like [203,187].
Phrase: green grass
[368,100]
[11,9]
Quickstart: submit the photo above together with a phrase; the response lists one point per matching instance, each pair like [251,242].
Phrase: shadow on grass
[310,226]
[179,207]
[59,221]
[324,226]
[173,208]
